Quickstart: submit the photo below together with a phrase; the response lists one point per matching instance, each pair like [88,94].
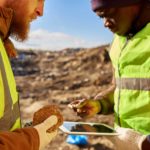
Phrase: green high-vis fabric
[131,60]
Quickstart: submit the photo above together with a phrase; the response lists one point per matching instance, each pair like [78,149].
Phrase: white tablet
[87,128]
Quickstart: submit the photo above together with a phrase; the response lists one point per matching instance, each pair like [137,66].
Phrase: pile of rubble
[58,77]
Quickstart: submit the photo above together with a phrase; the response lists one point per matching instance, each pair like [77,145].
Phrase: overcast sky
[66,23]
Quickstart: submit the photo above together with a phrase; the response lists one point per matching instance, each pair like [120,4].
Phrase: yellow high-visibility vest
[131,60]
[9,107]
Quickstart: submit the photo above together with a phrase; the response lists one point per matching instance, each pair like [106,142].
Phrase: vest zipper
[125,44]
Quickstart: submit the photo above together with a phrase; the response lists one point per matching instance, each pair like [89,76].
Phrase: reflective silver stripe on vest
[11,112]
[133,83]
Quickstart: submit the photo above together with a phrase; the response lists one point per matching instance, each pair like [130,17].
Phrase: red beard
[20,22]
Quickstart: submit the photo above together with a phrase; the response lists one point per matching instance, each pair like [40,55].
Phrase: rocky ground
[59,78]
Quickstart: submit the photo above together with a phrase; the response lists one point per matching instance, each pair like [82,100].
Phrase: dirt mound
[46,77]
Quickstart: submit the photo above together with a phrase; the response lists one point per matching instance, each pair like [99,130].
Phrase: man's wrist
[104,106]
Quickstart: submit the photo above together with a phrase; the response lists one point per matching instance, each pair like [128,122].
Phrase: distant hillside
[79,72]
[58,78]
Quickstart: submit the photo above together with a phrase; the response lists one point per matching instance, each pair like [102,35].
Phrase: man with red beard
[129,95]
[15,18]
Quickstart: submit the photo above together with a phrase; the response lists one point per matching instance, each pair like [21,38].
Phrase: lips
[112,29]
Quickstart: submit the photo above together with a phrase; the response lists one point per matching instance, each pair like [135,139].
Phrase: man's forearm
[20,139]
[106,106]
[106,100]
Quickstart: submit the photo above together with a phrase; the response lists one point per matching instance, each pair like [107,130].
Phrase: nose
[107,22]
[40,8]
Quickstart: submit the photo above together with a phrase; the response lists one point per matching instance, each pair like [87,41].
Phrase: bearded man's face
[24,13]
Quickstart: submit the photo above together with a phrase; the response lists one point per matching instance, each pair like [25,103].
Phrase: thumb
[50,121]
[127,132]
[121,130]
[51,135]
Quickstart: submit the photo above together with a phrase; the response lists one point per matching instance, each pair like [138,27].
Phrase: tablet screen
[85,127]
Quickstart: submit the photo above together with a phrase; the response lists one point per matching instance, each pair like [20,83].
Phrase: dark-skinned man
[129,95]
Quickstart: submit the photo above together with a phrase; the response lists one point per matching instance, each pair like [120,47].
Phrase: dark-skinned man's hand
[86,108]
